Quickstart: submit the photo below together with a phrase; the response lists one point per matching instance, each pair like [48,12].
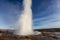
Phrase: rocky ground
[31,37]
[8,35]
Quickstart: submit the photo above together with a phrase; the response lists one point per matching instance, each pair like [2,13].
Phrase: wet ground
[31,37]
[8,35]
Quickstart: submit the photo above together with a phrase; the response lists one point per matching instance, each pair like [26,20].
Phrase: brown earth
[47,34]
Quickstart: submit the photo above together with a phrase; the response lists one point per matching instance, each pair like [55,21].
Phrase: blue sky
[46,13]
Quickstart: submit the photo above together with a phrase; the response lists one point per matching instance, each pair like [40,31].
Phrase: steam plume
[26,19]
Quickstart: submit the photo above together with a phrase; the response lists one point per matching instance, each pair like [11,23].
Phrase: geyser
[25,19]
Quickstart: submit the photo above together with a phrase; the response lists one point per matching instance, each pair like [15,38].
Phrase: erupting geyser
[25,20]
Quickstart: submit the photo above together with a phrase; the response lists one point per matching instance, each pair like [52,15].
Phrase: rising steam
[25,19]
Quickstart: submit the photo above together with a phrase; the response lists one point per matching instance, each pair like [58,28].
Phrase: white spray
[26,19]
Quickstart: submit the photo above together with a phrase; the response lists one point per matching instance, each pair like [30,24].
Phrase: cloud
[50,21]
[49,25]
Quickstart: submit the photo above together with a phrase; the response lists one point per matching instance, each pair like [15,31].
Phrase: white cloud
[50,25]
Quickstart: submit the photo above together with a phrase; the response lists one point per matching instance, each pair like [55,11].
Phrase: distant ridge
[41,30]
[48,30]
